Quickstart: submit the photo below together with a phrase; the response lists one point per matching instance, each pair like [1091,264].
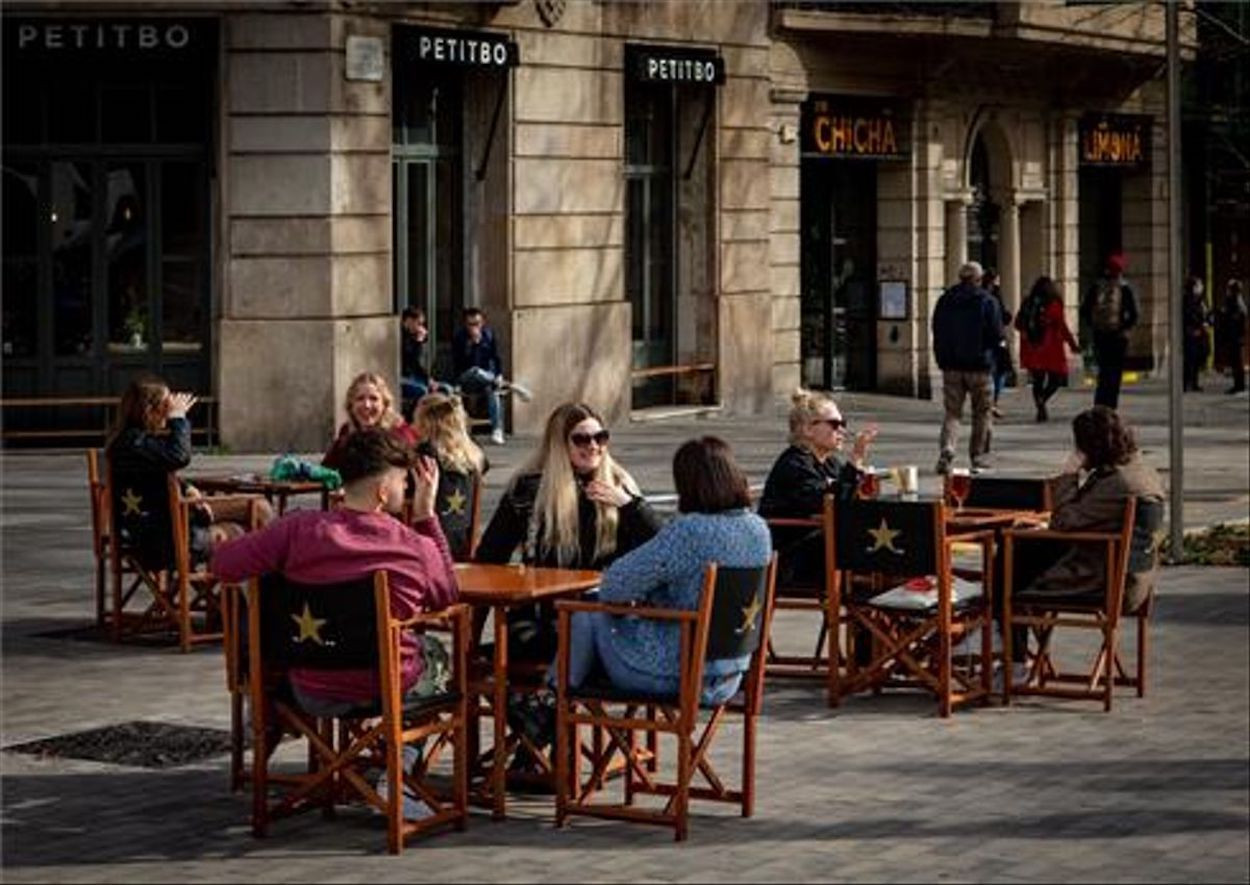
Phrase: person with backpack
[1043,334]
[1110,309]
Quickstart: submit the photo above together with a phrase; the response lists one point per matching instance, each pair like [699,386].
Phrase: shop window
[126,114]
[70,227]
[126,258]
[20,198]
[668,258]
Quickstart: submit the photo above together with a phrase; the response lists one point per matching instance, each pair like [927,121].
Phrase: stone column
[306,263]
[1009,254]
[956,237]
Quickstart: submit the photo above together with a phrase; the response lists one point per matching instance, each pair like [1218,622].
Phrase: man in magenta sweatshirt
[360,537]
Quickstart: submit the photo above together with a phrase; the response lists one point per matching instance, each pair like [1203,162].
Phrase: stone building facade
[635,193]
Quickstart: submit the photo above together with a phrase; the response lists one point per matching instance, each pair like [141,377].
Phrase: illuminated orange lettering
[888,143]
[821,133]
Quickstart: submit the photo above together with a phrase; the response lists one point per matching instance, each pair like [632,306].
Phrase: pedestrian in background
[1002,355]
[1043,334]
[967,328]
[1230,333]
[1197,321]
[1110,308]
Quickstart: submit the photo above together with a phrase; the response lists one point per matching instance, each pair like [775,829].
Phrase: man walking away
[1110,308]
[967,327]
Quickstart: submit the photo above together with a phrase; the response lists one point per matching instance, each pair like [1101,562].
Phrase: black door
[838,300]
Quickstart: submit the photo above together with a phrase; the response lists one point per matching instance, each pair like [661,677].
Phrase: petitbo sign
[65,36]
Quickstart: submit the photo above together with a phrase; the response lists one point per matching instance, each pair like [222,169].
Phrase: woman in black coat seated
[810,468]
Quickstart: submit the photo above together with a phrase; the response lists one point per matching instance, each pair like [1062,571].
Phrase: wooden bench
[108,405]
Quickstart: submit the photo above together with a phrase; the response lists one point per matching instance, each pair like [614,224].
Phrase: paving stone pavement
[880,789]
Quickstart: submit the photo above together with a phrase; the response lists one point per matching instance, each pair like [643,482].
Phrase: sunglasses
[583,440]
[834,423]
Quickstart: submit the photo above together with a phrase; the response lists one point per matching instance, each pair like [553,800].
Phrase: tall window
[668,253]
[107,240]
[983,213]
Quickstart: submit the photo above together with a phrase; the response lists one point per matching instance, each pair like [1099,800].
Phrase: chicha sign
[841,126]
[1114,140]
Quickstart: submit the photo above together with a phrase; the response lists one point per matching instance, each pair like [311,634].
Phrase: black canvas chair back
[1147,523]
[141,516]
[896,538]
[737,619]
[455,504]
[319,626]
[1007,493]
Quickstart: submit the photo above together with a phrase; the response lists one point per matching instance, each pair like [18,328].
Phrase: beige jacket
[1098,506]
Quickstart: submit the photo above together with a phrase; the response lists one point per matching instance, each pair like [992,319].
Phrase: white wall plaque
[366,59]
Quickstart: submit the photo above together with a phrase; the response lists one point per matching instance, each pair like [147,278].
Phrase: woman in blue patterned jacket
[715,524]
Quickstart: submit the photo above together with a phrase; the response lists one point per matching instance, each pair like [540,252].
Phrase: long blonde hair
[805,406]
[389,416]
[554,524]
[441,420]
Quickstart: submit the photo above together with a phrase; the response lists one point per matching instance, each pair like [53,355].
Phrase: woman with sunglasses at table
[569,505]
[811,467]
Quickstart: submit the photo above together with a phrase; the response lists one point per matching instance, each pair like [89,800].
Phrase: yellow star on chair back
[883,538]
[309,627]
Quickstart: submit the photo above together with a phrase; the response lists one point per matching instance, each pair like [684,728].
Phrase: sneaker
[943,465]
[520,390]
[1019,676]
[496,437]
[996,412]
[979,467]
[415,808]
[971,644]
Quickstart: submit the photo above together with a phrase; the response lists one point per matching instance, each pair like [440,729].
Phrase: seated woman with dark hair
[715,525]
[1107,455]
[357,539]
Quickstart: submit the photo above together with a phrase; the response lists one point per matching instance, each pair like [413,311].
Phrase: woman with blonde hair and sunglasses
[810,468]
[443,426]
[368,403]
[571,505]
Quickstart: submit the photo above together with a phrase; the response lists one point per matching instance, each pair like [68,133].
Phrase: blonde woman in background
[369,403]
[571,505]
[811,467]
[443,427]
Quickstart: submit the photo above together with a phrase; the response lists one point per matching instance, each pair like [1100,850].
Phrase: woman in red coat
[1043,334]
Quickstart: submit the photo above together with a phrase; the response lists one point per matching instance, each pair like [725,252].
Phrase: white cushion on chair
[921,594]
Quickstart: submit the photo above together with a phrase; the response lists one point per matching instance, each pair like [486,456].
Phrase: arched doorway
[988,166]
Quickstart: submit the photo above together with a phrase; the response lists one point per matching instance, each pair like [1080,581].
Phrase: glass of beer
[960,485]
[869,484]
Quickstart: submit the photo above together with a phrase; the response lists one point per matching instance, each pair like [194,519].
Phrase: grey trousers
[956,387]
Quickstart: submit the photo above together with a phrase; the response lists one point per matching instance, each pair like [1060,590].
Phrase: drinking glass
[869,484]
[960,486]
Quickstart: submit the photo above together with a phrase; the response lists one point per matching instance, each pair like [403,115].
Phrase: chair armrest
[443,618]
[233,498]
[1055,535]
[655,614]
[814,522]
[980,536]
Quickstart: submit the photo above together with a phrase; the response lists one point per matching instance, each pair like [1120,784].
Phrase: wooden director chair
[349,625]
[733,619]
[911,629]
[1132,549]
[798,595]
[101,536]
[150,553]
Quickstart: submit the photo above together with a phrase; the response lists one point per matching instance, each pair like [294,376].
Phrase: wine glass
[869,484]
[960,486]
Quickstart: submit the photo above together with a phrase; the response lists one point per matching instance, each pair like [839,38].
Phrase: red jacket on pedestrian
[1048,355]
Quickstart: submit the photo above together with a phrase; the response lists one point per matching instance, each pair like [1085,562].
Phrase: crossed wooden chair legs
[615,746]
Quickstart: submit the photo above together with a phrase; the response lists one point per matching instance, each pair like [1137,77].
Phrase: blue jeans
[1000,378]
[590,641]
[478,380]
